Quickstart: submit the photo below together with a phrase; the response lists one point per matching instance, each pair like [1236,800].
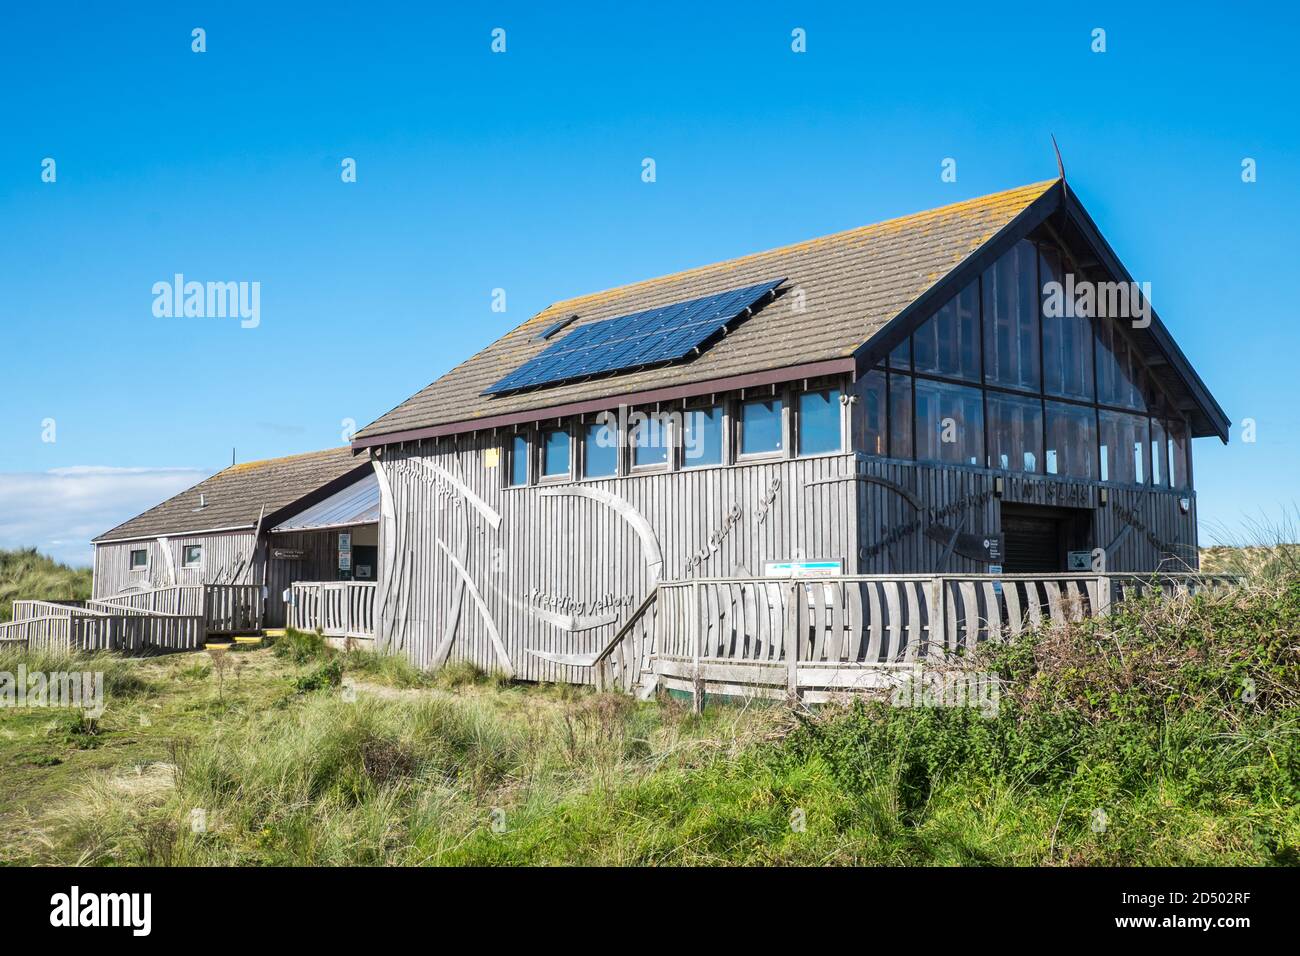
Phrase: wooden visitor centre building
[902,419]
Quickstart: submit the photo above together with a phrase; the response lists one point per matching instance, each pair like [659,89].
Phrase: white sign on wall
[802,569]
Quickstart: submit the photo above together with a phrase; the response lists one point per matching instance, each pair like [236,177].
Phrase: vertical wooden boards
[590,549]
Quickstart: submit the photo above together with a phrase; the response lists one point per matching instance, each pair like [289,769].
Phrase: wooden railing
[66,633]
[225,608]
[99,626]
[817,637]
[334,608]
[48,632]
[233,608]
[624,659]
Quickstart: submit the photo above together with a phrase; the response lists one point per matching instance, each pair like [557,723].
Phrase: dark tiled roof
[853,283]
[235,496]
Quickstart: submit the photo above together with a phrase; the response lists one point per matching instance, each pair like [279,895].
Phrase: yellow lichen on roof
[966,209]
[245,466]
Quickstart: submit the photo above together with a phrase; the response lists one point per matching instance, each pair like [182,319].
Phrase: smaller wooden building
[271,523]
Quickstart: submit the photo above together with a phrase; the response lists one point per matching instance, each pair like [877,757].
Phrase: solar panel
[651,337]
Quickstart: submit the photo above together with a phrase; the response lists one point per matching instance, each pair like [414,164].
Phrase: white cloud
[60,510]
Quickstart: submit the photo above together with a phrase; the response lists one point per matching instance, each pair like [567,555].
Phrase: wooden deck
[173,618]
[816,638]
[57,626]
[225,608]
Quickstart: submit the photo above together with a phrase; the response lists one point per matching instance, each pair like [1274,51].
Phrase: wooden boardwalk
[817,638]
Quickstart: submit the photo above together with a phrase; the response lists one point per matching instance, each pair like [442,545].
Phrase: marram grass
[1168,734]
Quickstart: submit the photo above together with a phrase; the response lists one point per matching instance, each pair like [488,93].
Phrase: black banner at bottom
[337,905]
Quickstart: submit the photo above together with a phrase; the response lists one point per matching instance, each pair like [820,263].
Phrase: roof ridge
[567,304]
[262,462]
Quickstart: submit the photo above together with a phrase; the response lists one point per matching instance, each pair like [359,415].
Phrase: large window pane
[1067,337]
[760,427]
[1159,455]
[1015,433]
[901,357]
[819,421]
[649,440]
[1120,379]
[519,460]
[1071,446]
[949,423]
[869,429]
[900,416]
[1178,451]
[702,437]
[1011,319]
[948,344]
[1124,447]
[555,453]
[599,450]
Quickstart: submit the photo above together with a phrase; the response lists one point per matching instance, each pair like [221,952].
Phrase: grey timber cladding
[473,571]
[1140,529]
[236,496]
[848,285]
[228,558]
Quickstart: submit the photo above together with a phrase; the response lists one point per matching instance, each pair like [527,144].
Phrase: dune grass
[1166,734]
[24,574]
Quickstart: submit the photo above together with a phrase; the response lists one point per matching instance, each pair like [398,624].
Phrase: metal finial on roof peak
[1060,163]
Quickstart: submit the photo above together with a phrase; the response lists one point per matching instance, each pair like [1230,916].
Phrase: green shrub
[301,647]
[328,674]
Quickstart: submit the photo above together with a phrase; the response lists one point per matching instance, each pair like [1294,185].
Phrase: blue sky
[522,170]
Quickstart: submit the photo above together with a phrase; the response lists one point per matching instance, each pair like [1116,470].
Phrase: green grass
[1168,734]
[26,575]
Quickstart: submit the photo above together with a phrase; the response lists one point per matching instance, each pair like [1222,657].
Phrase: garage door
[1033,543]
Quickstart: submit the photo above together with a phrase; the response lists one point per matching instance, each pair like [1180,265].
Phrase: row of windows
[905,416]
[191,557]
[996,332]
[691,438]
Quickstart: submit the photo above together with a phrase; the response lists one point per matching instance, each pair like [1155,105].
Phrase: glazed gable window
[1067,339]
[948,344]
[900,416]
[1121,379]
[1071,446]
[761,427]
[1015,433]
[1124,448]
[870,432]
[1010,294]
[949,423]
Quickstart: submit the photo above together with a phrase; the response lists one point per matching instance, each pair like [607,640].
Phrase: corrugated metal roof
[356,504]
